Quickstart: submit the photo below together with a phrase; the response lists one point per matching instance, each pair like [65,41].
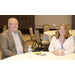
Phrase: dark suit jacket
[8,45]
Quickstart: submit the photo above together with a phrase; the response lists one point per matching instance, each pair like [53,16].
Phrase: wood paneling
[20,19]
[32,21]
[4,19]
[73,21]
[24,21]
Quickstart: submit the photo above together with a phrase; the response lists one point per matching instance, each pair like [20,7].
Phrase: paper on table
[37,53]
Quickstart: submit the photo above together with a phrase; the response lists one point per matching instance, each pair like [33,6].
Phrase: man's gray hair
[12,18]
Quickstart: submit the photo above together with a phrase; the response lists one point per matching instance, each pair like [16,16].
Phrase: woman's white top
[68,45]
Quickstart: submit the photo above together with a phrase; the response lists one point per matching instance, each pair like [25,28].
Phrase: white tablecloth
[47,35]
[48,56]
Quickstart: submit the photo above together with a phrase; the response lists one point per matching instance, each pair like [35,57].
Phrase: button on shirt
[17,43]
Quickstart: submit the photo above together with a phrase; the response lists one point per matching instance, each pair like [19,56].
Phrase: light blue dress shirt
[17,43]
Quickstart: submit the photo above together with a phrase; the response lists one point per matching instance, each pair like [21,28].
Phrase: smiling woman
[62,31]
[62,40]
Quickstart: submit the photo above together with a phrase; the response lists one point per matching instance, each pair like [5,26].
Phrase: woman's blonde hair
[57,35]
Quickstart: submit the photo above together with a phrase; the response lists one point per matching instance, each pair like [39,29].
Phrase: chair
[54,34]
[4,28]
[46,27]
[69,27]
[39,41]
[32,36]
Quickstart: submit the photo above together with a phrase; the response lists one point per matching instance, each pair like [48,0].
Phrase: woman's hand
[62,53]
[57,52]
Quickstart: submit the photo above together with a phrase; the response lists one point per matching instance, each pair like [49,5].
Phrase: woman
[62,40]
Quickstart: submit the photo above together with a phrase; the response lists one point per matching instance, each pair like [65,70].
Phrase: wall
[52,19]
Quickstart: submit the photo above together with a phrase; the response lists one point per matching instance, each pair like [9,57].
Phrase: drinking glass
[26,47]
[60,51]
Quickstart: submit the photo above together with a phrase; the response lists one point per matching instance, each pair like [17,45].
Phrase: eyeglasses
[13,23]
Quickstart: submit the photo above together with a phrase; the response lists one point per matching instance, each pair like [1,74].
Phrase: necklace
[61,43]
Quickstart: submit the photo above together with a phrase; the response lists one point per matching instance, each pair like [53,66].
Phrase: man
[12,42]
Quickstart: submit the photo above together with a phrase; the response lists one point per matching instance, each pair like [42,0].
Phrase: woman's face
[61,30]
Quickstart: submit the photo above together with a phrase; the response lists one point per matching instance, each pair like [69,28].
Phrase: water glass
[60,50]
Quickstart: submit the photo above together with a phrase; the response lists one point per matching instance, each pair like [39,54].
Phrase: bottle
[29,51]
[0,54]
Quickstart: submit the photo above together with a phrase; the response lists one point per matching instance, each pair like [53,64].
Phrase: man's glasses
[13,23]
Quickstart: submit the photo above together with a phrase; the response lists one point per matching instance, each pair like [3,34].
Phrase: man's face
[13,25]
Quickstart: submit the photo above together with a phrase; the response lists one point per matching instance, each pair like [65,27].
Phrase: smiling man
[12,42]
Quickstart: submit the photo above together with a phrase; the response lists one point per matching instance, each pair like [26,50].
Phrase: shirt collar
[13,33]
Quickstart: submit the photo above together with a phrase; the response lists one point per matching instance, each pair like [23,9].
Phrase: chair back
[74,43]
[31,32]
[46,27]
[4,28]
[37,35]
[69,27]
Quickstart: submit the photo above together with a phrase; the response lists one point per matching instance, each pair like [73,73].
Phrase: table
[48,56]
[47,34]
